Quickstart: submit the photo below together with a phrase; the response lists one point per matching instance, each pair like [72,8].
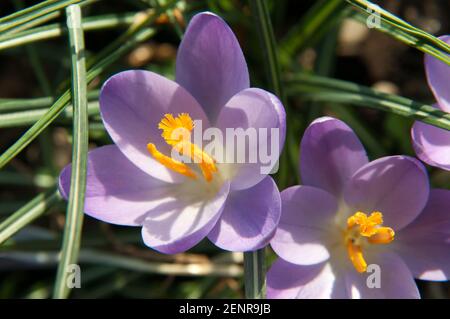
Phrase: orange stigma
[362,230]
[177,133]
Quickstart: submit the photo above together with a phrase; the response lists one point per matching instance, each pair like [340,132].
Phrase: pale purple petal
[210,63]
[396,281]
[426,260]
[249,218]
[330,153]
[253,150]
[117,192]
[425,243]
[290,281]
[432,144]
[438,76]
[132,103]
[178,224]
[306,225]
[396,186]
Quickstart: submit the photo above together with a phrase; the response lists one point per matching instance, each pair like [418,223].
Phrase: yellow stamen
[177,133]
[356,256]
[206,163]
[384,235]
[176,129]
[367,225]
[169,162]
[359,226]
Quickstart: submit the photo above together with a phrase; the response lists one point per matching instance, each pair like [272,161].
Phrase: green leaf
[7,105]
[254,274]
[269,46]
[25,118]
[42,103]
[55,30]
[133,264]
[317,88]
[261,14]
[317,21]
[137,33]
[75,208]
[30,24]
[28,213]
[33,12]
[403,31]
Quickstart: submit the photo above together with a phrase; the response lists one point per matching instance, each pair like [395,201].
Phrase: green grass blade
[43,103]
[254,274]
[31,24]
[403,31]
[55,30]
[34,12]
[403,25]
[261,13]
[319,19]
[269,46]
[8,105]
[36,129]
[137,33]
[26,118]
[132,264]
[27,214]
[324,89]
[74,218]
[40,6]
[44,83]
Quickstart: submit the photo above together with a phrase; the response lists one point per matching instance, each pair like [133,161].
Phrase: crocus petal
[396,186]
[249,218]
[432,144]
[259,116]
[178,224]
[117,192]
[438,75]
[305,225]
[290,281]
[132,103]
[396,281]
[425,243]
[210,63]
[330,153]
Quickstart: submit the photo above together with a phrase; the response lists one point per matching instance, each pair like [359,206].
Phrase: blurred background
[114,260]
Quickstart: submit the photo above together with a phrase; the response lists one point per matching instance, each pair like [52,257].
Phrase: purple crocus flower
[351,215]
[136,182]
[432,144]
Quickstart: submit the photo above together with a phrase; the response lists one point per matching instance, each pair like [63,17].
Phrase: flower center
[176,131]
[363,230]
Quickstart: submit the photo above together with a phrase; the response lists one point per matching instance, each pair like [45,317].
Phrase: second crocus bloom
[138,181]
[432,144]
[350,214]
